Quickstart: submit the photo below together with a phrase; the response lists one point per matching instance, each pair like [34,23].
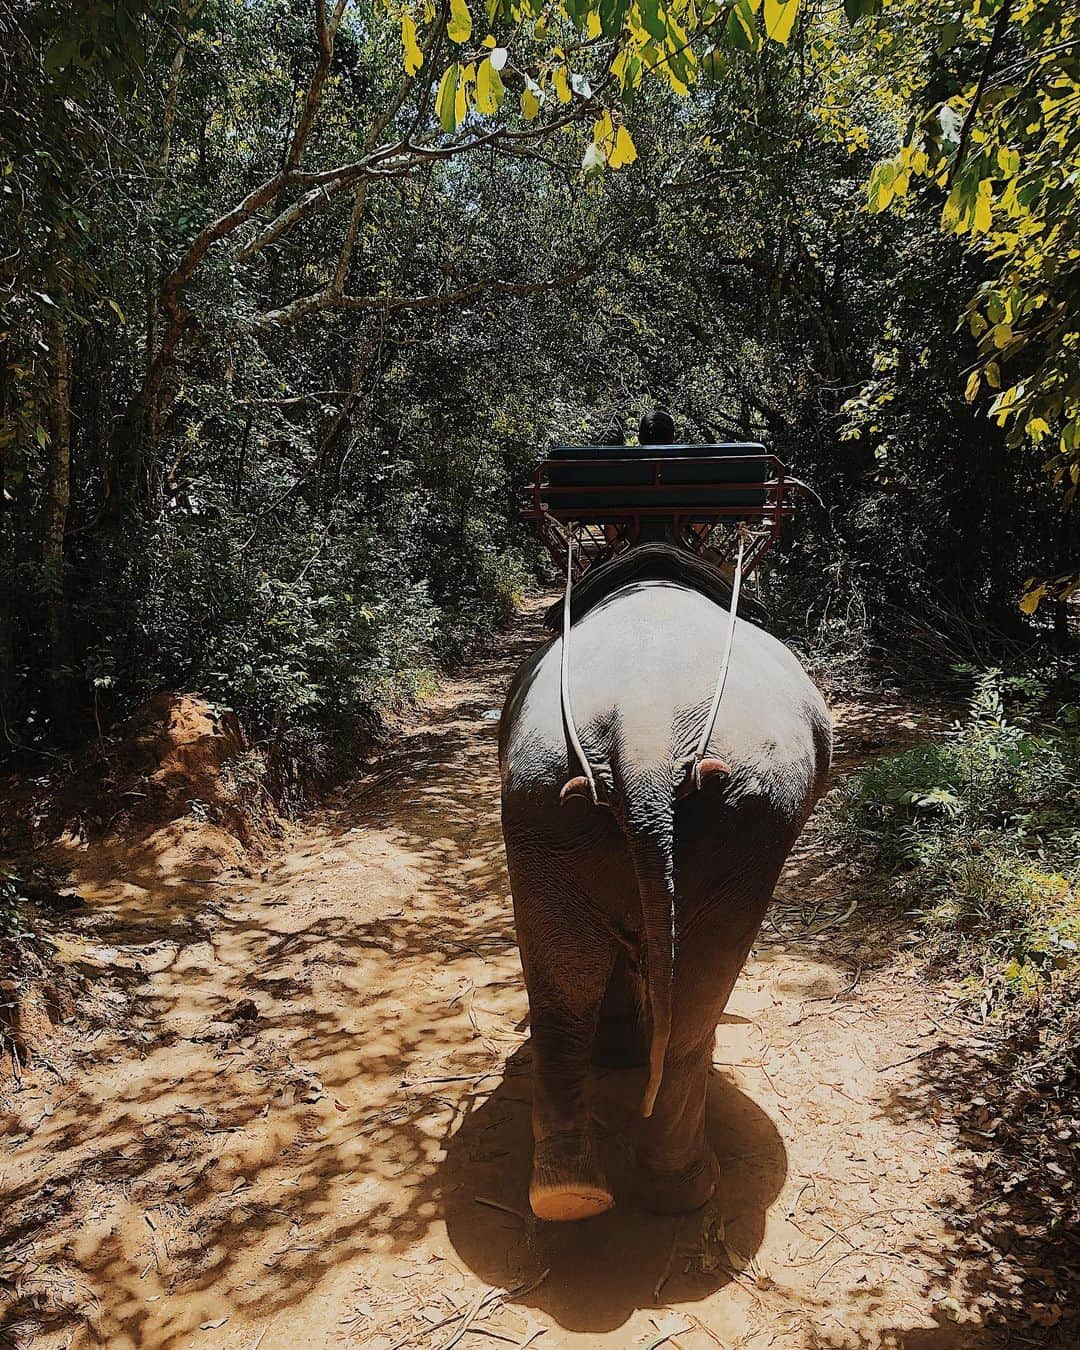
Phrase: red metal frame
[761,524]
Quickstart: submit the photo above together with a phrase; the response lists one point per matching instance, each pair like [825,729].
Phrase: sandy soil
[306,1120]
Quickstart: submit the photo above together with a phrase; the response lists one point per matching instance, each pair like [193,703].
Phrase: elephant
[636,907]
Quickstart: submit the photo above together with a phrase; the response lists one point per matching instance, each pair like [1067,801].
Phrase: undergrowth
[978,836]
[12,952]
[314,645]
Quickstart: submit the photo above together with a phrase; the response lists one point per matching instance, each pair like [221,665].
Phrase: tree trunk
[1065,563]
[7,540]
[54,526]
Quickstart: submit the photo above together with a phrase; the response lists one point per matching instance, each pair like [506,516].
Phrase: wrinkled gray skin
[634,916]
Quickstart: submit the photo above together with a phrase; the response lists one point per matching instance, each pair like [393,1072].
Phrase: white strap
[564,675]
[721,679]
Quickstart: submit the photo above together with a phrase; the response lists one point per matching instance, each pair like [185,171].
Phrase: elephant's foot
[682,1191]
[620,1044]
[567,1181]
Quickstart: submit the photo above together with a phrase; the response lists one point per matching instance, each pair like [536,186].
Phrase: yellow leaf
[624,152]
[414,57]
[951,213]
[445,99]
[1029,601]
[1008,161]
[530,104]
[461,94]
[780,16]
[561,83]
[881,199]
[1037,429]
[489,89]
[604,134]
[592,24]
[972,386]
[1002,335]
[984,216]
[459,29]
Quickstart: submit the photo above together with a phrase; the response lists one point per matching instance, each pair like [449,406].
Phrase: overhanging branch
[996,39]
[328,299]
[397,159]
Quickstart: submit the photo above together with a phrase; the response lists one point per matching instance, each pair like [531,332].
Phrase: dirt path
[309,1123]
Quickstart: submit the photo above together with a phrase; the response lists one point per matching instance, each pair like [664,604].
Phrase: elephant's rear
[642,672]
[676,878]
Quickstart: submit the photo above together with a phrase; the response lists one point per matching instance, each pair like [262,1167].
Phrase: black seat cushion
[652,562]
[686,486]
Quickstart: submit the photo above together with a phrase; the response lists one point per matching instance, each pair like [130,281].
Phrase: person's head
[656,428]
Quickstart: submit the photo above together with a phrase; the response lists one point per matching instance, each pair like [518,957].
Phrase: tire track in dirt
[313,1127]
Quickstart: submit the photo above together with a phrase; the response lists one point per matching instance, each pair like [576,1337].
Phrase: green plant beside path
[980,835]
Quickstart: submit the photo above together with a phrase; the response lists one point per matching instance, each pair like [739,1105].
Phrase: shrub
[980,834]
[313,631]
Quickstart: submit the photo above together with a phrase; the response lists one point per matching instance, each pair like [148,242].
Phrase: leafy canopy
[987,93]
[556,55]
[994,127]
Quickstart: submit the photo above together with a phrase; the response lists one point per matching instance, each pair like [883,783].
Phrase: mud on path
[309,1123]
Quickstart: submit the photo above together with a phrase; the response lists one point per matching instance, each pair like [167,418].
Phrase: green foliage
[980,834]
[993,126]
[263,427]
[312,635]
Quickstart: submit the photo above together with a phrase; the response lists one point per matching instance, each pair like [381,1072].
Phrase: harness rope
[564,676]
[721,679]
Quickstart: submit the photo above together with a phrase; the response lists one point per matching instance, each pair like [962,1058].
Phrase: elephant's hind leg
[622,1037]
[678,1171]
[566,971]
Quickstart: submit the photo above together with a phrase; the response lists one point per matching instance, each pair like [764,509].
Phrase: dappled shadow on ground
[600,1272]
[1018,1122]
[883,723]
[319,1076]
[825,904]
[257,1129]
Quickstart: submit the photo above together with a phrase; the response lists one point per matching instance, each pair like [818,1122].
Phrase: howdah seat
[613,478]
[682,494]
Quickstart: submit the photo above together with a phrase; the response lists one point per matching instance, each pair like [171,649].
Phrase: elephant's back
[643,667]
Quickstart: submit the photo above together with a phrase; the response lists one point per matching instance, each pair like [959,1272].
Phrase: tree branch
[271,187]
[996,39]
[147,401]
[395,159]
[377,128]
[329,299]
[326,33]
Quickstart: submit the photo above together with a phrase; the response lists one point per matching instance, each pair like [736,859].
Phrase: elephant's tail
[650,833]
